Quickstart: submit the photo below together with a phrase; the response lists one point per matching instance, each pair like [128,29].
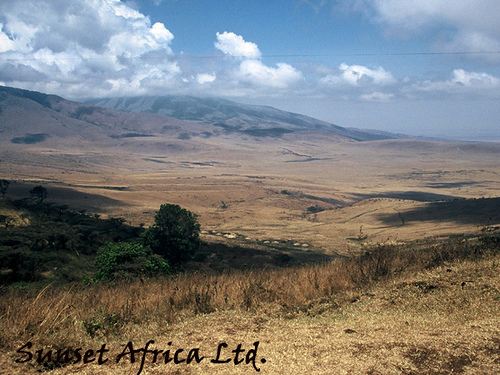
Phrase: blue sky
[423,67]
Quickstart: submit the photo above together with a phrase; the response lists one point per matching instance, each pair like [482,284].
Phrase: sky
[421,67]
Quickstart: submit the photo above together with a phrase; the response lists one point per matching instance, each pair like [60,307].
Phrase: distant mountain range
[232,117]
[29,117]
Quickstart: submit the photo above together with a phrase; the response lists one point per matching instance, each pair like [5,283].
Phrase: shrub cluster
[44,242]
[126,260]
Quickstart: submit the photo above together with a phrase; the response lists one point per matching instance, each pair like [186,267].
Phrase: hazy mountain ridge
[258,121]
[33,117]
[29,115]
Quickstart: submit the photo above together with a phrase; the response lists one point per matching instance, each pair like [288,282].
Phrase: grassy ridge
[80,315]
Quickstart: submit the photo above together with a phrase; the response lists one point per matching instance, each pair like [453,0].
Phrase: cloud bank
[461,25]
[97,48]
[83,47]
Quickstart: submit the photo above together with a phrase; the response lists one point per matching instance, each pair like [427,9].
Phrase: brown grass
[425,309]
[268,190]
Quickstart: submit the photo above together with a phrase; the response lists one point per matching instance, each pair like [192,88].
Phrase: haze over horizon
[425,68]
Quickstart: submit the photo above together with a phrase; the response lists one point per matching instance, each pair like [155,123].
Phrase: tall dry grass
[80,315]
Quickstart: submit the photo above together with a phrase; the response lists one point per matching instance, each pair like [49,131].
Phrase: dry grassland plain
[321,193]
[319,190]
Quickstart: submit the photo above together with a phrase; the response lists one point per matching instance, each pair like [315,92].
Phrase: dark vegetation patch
[272,132]
[84,111]
[202,164]
[184,136]
[314,209]
[419,196]
[156,161]
[450,185]
[53,243]
[130,135]
[30,138]
[306,160]
[206,134]
[228,129]
[43,242]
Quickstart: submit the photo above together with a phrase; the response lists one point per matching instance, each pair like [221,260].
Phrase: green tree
[175,234]
[39,192]
[124,260]
[4,185]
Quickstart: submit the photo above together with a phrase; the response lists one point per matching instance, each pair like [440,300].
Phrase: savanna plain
[324,256]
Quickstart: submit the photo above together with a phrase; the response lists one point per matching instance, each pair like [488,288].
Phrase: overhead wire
[304,55]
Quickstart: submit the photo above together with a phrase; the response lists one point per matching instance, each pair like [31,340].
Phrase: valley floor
[322,192]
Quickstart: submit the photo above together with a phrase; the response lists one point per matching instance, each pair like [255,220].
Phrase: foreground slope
[424,312]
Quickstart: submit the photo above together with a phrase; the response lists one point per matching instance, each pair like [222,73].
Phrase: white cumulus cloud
[140,39]
[203,78]
[377,97]
[62,43]
[234,45]
[6,44]
[462,82]
[251,72]
[462,77]
[356,75]
[255,72]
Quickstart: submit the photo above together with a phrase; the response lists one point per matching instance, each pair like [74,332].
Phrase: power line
[186,56]
[386,54]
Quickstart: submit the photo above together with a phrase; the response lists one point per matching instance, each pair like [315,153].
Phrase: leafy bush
[314,209]
[175,234]
[104,323]
[127,260]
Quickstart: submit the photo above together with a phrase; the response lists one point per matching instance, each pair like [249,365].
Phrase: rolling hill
[32,117]
[232,117]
